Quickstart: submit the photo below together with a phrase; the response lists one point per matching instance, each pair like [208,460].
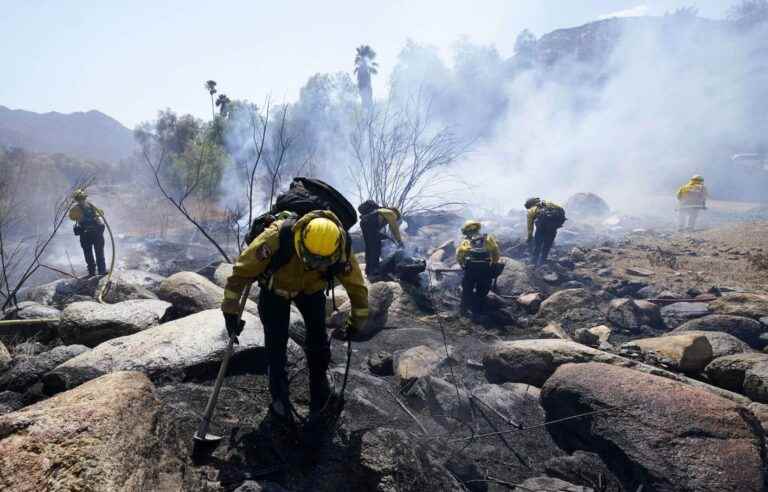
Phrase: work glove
[234,326]
[349,330]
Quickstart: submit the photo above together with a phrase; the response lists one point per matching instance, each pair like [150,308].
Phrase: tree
[365,66]
[525,46]
[222,102]
[749,13]
[400,155]
[210,86]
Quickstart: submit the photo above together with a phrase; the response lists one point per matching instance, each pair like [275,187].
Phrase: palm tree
[365,66]
[222,102]
[210,86]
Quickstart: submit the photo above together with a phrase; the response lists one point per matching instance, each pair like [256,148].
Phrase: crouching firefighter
[89,225]
[547,217]
[295,260]
[373,218]
[478,254]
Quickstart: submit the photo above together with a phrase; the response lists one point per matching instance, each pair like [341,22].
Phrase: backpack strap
[284,250]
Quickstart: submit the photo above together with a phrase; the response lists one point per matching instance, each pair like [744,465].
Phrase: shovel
[203,441]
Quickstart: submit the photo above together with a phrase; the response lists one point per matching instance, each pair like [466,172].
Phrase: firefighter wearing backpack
[546,217]
[89,225]
[373,219]
[476,255]
[691,198]
[317,254]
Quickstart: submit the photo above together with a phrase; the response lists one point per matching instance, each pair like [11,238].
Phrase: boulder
[632,315]
[679,313]
[389,307]
[745,329]
[90,323]
[664,430]
[10,401]
[27,310]
[722,343]
[390,459]
[222,273]
[26,370]
[587,205]
[547,484]
[381,363]
[185,348]
[730,371]
[572,308]
[687,352]
[103,435]
[416,362]
[753,306]
[514,279]
[586,469]
[192,293]
[554,330]
[61,292]
[530,302]
[5,358]
[586,337]
[602,332]
[127,285]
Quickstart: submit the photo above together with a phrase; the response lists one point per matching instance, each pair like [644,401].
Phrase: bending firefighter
[477,254]
[373,218]
[89,225]
[546,217]
[294,260]
[691,198]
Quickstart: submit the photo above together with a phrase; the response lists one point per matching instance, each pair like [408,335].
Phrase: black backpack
[304,195]
[478,252]
[551,216]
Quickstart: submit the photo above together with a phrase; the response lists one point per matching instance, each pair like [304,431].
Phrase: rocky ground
[635,358]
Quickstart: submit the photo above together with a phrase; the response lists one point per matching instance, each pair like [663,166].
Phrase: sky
[131,59]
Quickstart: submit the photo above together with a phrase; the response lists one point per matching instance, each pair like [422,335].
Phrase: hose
[40,321]
[105,288]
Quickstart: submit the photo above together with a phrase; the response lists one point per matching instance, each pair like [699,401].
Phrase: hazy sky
[129,59]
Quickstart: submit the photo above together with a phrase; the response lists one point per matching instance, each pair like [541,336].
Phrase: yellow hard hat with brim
[79,194]
[321,237]
[470,226]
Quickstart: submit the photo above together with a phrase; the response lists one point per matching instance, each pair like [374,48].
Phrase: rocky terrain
[634,360]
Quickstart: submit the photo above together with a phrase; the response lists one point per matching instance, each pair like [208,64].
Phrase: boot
[319,388]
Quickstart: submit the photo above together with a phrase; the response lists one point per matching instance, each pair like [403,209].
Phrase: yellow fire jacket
[76,213]
[533,213]
[389,217]
[294,277]
[693,194]
[466,246]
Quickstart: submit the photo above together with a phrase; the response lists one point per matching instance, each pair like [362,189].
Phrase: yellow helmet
[79,194]
[697,178]
[470,226]
[321,237]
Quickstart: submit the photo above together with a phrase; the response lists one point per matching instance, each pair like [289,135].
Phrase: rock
[127,285]
[90,323]
[28,310]
[760,410]
[341,299]
[554,330]
[688,353]
[10,401]
[730,371]
[764,321]
[530,301]
[191,293]
[514,280]
[586,337]
[177,350]
[745,329]
[222,273]
[390,460]
[380,363]
[389,307]
[639,272]
[27,370]
[587,205]
[665,430]
[29,348]
[647,292]
[416,363]
[5,358]
[602,332]
[251,486]
[547,484]
[551,278]
[679,313]
[60,292]
[722,343]
[572,308]
[753,306]
[632,315]
[103,435]
[586,469]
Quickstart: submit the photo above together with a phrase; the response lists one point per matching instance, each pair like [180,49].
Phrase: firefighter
[691,198]
[373,218]
[546,217]
[316,256]
[477,254]
[89,225]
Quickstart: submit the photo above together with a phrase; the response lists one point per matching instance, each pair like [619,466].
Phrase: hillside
[91,135]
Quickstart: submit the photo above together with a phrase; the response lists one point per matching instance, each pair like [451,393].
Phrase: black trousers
[92,241]
[275,312]
[475,286]
[373,243]
[543,239]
